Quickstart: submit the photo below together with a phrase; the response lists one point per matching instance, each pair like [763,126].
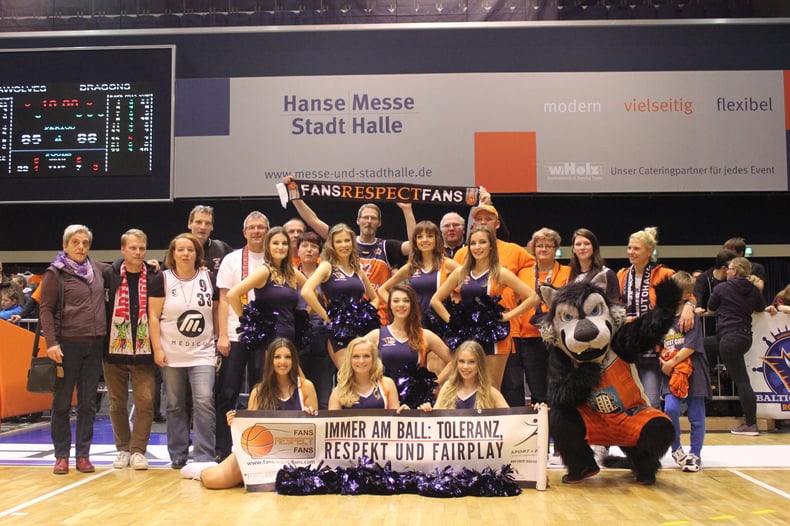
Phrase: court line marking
[53,493]
[761,484]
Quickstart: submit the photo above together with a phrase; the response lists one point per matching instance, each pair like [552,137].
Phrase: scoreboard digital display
[86,124]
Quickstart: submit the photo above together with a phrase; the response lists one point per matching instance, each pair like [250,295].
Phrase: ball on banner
[257,441]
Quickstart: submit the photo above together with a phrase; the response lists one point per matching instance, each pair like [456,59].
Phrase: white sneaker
[600,453]
[692,464]
[680,456]
[121,460]
[138,461]
[194,469]
[555,459]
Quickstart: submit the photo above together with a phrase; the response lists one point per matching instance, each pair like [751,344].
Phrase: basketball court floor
[744,480]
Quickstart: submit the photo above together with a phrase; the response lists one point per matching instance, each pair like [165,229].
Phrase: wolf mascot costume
[594,391]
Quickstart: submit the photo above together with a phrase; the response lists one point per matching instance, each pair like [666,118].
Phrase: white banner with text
[265,441]
[581,132]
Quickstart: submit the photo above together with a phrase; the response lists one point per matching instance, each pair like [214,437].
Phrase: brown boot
[61,466]
[84,465]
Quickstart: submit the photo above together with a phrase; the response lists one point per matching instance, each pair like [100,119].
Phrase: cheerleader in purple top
[276,284]
[468,386]
[481,275]
[360,381]
[426,270]
[404,347]
[341,279]
[281,388]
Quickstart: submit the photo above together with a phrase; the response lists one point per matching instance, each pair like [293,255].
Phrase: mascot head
[581,319]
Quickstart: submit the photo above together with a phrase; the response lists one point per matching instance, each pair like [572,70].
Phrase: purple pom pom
[351,318]
[257,324]
[479,320]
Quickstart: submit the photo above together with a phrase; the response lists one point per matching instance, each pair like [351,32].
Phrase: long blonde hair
[448,395]
[328,252]
[493,257]
[347,393]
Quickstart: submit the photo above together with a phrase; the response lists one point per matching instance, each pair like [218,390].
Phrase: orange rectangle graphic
[506,162]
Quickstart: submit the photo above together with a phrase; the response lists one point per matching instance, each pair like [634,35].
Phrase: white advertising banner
[768,364]
[673,131]
[265,441]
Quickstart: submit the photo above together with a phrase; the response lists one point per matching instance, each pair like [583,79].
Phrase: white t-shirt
[229,275]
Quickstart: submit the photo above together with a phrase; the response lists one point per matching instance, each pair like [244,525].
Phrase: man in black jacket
[129,356]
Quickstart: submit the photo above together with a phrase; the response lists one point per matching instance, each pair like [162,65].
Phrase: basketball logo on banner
[776,370]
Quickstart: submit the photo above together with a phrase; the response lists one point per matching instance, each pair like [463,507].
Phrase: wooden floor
[729,496]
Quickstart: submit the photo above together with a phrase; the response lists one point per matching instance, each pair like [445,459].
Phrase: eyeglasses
[731,268]
[544,247]
[257,227]
[452,225]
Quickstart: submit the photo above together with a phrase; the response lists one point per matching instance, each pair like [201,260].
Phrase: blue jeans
[732,348]
[81,369]
[651,376]
[317,365]
[696,416]
[201,379]
[229,385]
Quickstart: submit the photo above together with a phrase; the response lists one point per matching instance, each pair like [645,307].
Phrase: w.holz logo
[191,324]
[572,168]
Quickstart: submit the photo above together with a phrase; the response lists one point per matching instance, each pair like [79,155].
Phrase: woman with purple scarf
[73,321]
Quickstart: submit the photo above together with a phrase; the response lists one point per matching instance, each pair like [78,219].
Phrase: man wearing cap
[511,256]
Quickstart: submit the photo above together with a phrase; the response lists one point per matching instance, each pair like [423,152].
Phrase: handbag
[43,376]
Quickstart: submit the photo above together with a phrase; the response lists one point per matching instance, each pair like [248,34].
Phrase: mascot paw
[617,462]
[646,479]
[575,478]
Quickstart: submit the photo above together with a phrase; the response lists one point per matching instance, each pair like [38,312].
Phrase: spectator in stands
[10,299]
[734,302]
[705,283]
[182,307]
[294,228]
[316,363]
[453,229]
[377,256]
[530,359]
[30,310]
[738,245]
[782,300]
[21,282]
[234,268]
[201,224]
[2,276]
[74,324]
[637,283]
[129,357]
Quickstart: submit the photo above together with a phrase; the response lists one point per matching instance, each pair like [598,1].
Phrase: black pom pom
[415,384]
[351,318]
[257,324]
[368,477]
[304,335]
[479,320]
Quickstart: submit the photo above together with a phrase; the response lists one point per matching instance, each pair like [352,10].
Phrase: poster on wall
[567,132]
[265,441]
[768,364]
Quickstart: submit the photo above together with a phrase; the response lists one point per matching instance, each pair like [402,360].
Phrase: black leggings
[732,348]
